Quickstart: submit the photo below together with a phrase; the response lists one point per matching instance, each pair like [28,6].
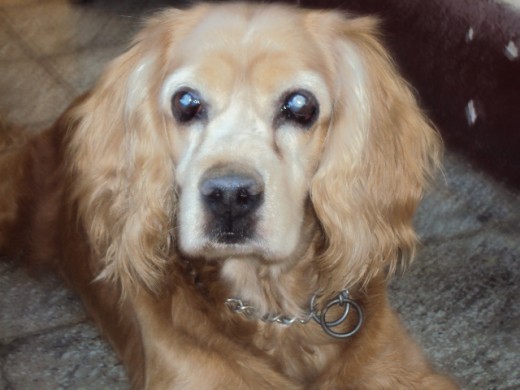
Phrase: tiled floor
[460,299]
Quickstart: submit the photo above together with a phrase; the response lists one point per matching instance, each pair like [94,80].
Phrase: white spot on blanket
[511,51]
[470,34]
[471,114]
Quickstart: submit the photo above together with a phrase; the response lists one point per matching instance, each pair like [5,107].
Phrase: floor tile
[464,200]
[29,305]
[81,69]
[30,94]
[10,49]
[71,358]
[458,297]
[55,27]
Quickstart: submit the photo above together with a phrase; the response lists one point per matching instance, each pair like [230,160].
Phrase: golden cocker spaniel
[230,199]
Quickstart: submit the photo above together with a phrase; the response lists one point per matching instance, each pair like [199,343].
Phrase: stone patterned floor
[460,299]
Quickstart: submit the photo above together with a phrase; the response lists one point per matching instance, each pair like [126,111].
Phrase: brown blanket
[462,57]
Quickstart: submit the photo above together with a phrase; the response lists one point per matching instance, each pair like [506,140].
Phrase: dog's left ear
[379,153]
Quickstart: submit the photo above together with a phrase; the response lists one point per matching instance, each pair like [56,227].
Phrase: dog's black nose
[233,195]
[231,199]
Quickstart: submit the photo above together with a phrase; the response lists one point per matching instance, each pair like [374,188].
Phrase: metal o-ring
[328,325]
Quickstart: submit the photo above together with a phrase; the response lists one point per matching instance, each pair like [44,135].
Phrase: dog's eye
[187,105]
[300,107]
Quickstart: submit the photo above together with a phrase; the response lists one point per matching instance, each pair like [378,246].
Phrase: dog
[230,200]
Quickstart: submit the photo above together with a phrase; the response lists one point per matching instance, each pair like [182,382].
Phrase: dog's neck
[285,292]
[283,288]
[272,289]
[278,288]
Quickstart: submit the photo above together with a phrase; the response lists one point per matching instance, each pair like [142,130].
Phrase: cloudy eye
[187,105]
[300,107]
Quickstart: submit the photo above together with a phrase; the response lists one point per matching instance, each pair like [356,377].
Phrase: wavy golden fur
[305,113]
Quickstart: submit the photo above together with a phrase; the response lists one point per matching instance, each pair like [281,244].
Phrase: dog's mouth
[230,236]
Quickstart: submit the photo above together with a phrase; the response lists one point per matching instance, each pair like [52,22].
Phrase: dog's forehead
[247,25]
[264,48]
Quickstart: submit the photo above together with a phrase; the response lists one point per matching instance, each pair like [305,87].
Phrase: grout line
[499,226]
[26,337]
[29,52]
[8,347]
[82,49]
[35,55]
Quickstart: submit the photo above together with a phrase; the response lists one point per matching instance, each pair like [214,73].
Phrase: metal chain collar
[236,305]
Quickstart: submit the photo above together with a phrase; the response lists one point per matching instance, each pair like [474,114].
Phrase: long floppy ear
[121,164]
[378,156]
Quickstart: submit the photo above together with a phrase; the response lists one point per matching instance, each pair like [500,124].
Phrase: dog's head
[223,125]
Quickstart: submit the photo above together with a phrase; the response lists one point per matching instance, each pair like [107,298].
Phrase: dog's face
[249,114]
[226,126]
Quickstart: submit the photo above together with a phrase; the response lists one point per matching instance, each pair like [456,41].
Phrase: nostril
[243,196]
[215,195]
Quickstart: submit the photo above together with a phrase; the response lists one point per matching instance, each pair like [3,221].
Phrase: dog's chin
[216,250]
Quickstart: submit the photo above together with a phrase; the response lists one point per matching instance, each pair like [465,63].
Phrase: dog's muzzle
[231,198]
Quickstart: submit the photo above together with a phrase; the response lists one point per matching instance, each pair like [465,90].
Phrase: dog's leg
[181,356]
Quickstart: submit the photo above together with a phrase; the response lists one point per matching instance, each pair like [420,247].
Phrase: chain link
[237,306]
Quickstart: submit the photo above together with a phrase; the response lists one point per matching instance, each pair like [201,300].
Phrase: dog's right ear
[119,154]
